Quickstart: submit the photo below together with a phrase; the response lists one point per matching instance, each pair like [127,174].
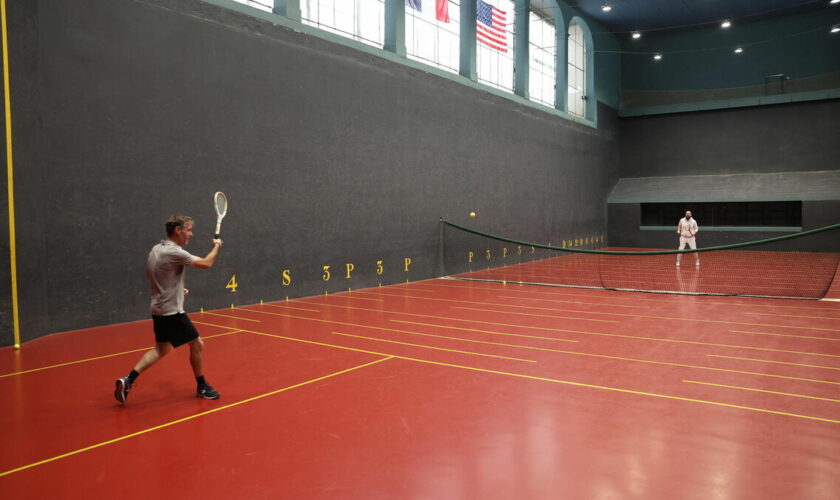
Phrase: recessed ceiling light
[835,1]
[725,24]
[606,8]
[637,35]
[657,57]
[836,27]
[739,50]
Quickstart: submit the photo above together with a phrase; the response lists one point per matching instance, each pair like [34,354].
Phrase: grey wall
[625,219]
[796,137]
[127,111]
[779,138]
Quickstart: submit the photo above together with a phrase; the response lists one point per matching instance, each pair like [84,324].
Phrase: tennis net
[773,267]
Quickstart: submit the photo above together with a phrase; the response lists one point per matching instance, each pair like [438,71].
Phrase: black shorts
[177,329]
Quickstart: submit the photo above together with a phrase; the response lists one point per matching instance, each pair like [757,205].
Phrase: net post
[442,249]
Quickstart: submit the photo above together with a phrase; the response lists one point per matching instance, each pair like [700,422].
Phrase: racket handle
[216,236]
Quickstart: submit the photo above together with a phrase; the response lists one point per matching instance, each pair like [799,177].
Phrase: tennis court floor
[441,389]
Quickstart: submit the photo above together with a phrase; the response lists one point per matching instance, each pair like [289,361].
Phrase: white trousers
[691,244]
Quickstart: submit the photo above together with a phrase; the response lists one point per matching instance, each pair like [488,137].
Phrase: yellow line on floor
[669,318]
[536,315]
[485,302]
[426,316]
[477,341]
[341,295]
[391,312]
[697,367]
[231,316]
[280,304]
[598,304]
[600,334]
[431,347]
[531,377]
[59,365]
[418,333]
[628,391]
[793,316]
[535,291]
[762,390]
[191,417]
[774,362]
[784,335]
[435,325]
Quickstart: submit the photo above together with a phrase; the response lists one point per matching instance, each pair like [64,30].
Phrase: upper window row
[432,36]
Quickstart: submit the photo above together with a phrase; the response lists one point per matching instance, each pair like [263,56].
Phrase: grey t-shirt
[165,269]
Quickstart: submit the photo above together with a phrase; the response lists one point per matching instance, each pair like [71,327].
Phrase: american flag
[490,26]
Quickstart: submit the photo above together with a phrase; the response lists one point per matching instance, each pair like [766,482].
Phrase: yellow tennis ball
[472,214]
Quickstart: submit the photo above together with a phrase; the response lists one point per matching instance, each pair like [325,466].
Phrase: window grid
[361,20]
[266,5]
[495,68]
[576,104]
[437,43]
[542,54]
[431,41]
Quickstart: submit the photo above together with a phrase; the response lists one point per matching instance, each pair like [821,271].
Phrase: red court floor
[441,389]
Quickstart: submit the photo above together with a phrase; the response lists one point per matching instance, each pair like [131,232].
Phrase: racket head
[220,203]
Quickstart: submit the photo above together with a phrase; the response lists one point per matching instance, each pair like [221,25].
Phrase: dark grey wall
[129,110]
[778,138]
[625,220]
[797,137]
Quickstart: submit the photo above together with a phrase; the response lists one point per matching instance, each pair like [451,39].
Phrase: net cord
[652,252]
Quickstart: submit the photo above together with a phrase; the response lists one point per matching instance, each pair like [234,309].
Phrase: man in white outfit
[687,228]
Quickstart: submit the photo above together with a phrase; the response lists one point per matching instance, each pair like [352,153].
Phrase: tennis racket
[220,203]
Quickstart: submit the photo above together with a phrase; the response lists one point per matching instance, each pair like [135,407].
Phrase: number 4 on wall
[232,284]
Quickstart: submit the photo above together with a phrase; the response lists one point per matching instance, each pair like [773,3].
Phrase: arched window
[542,53]
[576,73]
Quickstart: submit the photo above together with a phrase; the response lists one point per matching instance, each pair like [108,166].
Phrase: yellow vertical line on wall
[10,176]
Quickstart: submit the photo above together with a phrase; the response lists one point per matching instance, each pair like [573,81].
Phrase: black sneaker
[207,392]
[123,386]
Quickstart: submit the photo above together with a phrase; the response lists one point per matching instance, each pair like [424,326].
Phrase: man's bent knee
[163,348]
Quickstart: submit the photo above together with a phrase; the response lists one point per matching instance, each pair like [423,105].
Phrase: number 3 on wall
[232,284]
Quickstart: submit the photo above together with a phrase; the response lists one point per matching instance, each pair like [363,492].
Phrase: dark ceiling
[648,15]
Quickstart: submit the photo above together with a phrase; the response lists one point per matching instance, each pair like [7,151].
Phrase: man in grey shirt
[166,269]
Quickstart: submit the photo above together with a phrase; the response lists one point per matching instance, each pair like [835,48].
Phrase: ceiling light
[835,1]
[657,57]
[739,50]
[637,35]
[725,24]
[836,27]
[606,8]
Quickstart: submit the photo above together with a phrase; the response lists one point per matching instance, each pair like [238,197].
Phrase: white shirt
[687,228]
